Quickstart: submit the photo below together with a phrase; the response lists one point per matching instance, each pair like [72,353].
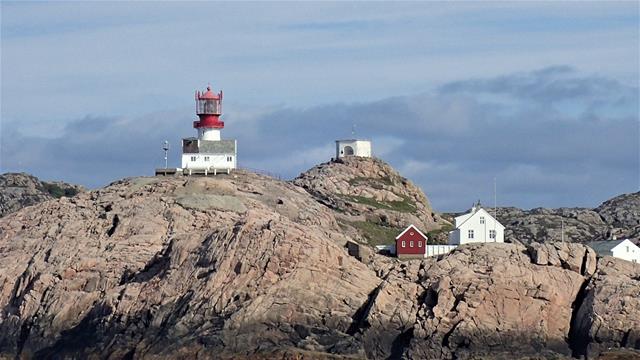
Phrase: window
[403,244]
[411,243]
[419,243]
[411,233]
[206,158]
[492,234]
[193,158]
[470,234]
[481,219]
[627,249]
[229,158]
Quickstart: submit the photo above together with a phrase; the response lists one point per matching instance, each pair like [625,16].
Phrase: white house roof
[464,218]
[414,228]
[605,246]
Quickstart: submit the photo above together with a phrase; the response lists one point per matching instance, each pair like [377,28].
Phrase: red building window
[419,243]
[411,243]
[403,244]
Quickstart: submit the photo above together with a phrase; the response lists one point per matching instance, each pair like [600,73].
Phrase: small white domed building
[353,147]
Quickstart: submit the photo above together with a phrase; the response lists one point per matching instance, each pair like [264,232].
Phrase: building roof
[414,228]
[215,146]
[342,140]
[605,245]
[466,217]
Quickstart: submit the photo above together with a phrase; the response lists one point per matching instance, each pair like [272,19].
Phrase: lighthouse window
[492,234]
[470,234]
[193,158]
[229,158]
[206,158]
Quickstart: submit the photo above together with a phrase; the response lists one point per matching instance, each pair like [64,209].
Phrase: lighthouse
[208,153]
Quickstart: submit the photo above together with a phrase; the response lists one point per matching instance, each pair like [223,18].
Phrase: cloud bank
[550,137]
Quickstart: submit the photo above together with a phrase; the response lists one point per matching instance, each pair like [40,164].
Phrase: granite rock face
[245,266]
[373,200]
[609,314]
[129,270]
[18,190]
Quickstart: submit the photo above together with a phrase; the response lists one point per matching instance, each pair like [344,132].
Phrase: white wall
[218,161]
[481,231]
[434,250]
[209,134]
[627,250]
[360,147]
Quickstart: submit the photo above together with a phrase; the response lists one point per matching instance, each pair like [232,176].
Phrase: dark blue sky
[542,96]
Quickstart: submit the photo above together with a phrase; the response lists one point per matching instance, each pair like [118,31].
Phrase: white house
[353,147]
[476,226]
[622,249]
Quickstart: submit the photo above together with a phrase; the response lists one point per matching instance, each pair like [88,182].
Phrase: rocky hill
[373,202]
[18,190]
[246,266]
[619,217]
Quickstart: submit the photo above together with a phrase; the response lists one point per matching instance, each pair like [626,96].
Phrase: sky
[541,98]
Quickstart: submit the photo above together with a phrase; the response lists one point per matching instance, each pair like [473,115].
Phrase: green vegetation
[376,234]
[57,192]
[405,205]
[376,183]
[440,236]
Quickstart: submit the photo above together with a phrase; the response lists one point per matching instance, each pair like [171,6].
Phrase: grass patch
[376,183]
[376,234]
[58,192]
[405,205]
[440,236]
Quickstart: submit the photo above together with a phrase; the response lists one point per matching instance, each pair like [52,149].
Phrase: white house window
[492,234]
[411,243]
[403,244]
[419,243]
[206,158]
[481,219]
[470,234]
[627,249]
[193,158]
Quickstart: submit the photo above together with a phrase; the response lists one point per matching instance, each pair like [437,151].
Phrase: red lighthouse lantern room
[209,110]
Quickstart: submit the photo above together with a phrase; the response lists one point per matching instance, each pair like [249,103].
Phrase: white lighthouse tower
[208,153]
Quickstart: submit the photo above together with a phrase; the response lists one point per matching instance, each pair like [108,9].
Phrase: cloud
[452,142]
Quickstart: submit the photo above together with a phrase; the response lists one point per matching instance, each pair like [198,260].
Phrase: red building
[411,243]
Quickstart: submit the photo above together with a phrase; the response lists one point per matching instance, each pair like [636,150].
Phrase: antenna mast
[165,147]
[495,209]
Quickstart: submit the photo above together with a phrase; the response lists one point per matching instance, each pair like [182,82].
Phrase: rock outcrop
[619,217]
[245,266]
[609,314]
[374,202]
[18,190]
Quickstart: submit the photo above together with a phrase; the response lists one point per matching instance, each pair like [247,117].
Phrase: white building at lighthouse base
[211,156]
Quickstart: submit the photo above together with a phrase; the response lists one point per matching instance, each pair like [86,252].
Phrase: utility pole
[562,230]
[495,209]
[165,147]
